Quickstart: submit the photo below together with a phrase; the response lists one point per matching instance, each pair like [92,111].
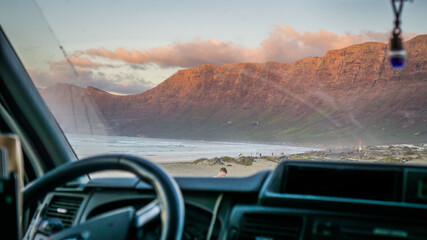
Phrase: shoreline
[312,145]
[414,154]
[244,166]
[169,150]
[295,144]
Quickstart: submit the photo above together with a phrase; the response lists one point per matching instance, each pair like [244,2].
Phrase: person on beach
[222,172]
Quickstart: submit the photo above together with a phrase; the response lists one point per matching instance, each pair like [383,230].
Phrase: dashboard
[298,200]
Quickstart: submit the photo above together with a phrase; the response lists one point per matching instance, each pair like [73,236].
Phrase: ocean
[173,150]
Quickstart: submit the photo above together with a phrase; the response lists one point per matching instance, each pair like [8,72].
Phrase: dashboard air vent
[63,208]
[270,226]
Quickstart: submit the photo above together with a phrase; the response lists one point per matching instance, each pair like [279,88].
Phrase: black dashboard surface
[262,206]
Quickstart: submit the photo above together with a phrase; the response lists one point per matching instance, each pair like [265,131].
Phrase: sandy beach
[234,170]
[408,154]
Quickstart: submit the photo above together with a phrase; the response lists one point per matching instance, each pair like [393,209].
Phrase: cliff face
[347,94]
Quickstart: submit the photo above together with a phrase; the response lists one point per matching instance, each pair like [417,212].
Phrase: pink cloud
[83,62]
[188,54]
[125,84]
[85,75]
[284,44]
[78,61]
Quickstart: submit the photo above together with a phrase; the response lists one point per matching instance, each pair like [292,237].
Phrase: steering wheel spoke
[147,214]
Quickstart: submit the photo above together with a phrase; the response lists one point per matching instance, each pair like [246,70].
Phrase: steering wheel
[125,222]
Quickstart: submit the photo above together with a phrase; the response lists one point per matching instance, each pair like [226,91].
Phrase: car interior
[47,193]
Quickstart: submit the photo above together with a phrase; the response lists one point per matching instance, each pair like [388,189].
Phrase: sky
[127,47]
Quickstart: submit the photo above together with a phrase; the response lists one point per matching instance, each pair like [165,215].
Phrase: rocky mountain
[75,109]
[348,94]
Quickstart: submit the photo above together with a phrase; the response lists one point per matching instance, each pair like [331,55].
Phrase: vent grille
[64,208]
[270,226]
[381,233]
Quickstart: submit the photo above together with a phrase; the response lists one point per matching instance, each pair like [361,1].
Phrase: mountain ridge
[347,94]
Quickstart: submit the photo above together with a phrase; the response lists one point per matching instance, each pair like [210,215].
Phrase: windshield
[228,88]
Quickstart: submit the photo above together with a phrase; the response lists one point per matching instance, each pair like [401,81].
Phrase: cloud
[284,44]
[84,75]
[184,55]
[384,37]
[82,62]
[120,83]
[137,67]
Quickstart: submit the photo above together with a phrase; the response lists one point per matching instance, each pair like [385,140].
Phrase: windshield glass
[200,86]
